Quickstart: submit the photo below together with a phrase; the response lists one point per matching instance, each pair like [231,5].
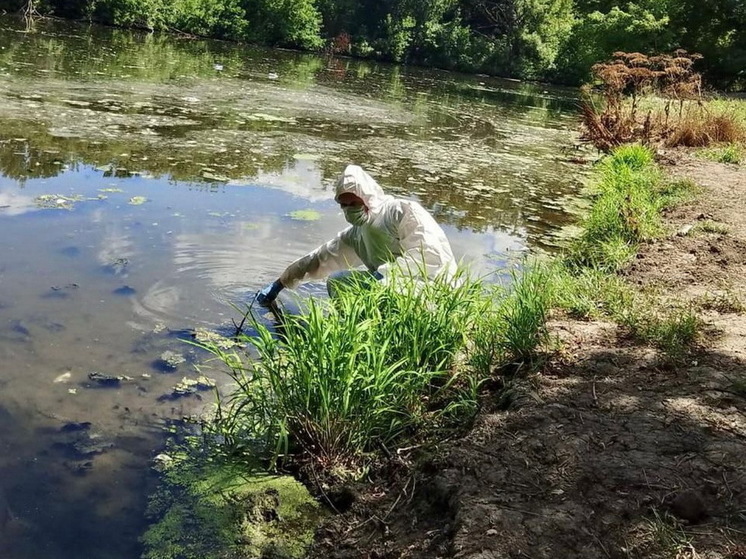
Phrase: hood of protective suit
[362,185]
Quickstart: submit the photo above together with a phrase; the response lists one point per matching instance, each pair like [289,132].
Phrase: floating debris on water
[213,177]
[189,386]
[107,380]
[68,286]
[117,266]
[80,441]
[270,118]
[125,290]
[171,359]
[307,156]
[214,339]
[137,200]
[57,201]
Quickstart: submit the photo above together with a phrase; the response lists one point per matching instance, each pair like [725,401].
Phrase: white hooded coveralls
[396,234]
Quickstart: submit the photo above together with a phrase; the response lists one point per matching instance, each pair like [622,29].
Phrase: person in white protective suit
[384,233]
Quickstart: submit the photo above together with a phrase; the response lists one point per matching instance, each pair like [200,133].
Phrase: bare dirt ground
[605,453]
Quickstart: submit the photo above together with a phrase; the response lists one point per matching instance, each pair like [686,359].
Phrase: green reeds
[375,365]
[350,374]
[512,329]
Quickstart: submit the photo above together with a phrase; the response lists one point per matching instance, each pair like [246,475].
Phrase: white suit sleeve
[425,250]
[337,254]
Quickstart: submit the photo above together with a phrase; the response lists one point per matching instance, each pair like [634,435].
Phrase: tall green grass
[513,329]
[630,198]
[374,366]
[630,195]
[346,377]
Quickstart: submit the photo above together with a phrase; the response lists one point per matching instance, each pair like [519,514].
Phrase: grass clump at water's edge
[376,367]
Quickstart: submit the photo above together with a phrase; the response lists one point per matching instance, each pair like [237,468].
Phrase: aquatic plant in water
[207,508]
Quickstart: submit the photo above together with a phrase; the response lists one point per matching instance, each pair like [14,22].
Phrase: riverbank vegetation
[346,383]
[630,196]
[375,380]
[555,40]
[657,100]
[340,391]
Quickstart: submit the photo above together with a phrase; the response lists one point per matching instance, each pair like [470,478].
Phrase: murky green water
[148,183]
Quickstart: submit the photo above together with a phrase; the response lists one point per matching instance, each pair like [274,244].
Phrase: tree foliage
[558,40]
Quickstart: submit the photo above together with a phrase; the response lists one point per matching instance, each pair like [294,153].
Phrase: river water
[150,183]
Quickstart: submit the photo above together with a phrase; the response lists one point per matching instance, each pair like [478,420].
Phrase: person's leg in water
[345,279]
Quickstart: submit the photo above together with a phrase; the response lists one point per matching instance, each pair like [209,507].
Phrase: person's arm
[337,254]
[425,250]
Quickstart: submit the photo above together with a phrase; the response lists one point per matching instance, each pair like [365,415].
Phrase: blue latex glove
[268,294]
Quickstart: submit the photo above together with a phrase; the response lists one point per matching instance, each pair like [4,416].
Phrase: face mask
[356,215]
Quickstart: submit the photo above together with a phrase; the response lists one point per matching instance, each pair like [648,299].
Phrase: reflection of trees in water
[43,156]
[392,120]
[96,52]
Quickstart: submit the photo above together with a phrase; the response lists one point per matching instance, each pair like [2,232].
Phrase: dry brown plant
[699,128]
[611,113]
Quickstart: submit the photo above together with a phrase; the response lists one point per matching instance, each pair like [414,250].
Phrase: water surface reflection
[144,191]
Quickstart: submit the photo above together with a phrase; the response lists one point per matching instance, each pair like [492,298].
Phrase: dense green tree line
[555,40]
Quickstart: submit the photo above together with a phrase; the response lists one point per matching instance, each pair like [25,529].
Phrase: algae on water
[212,509]
[305,215]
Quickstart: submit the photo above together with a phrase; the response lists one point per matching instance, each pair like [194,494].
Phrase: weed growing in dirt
[673,331]
[732,153]
[375,365]
[672,193]
[725,301]
[588,293]
[710,226]
[663,536]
